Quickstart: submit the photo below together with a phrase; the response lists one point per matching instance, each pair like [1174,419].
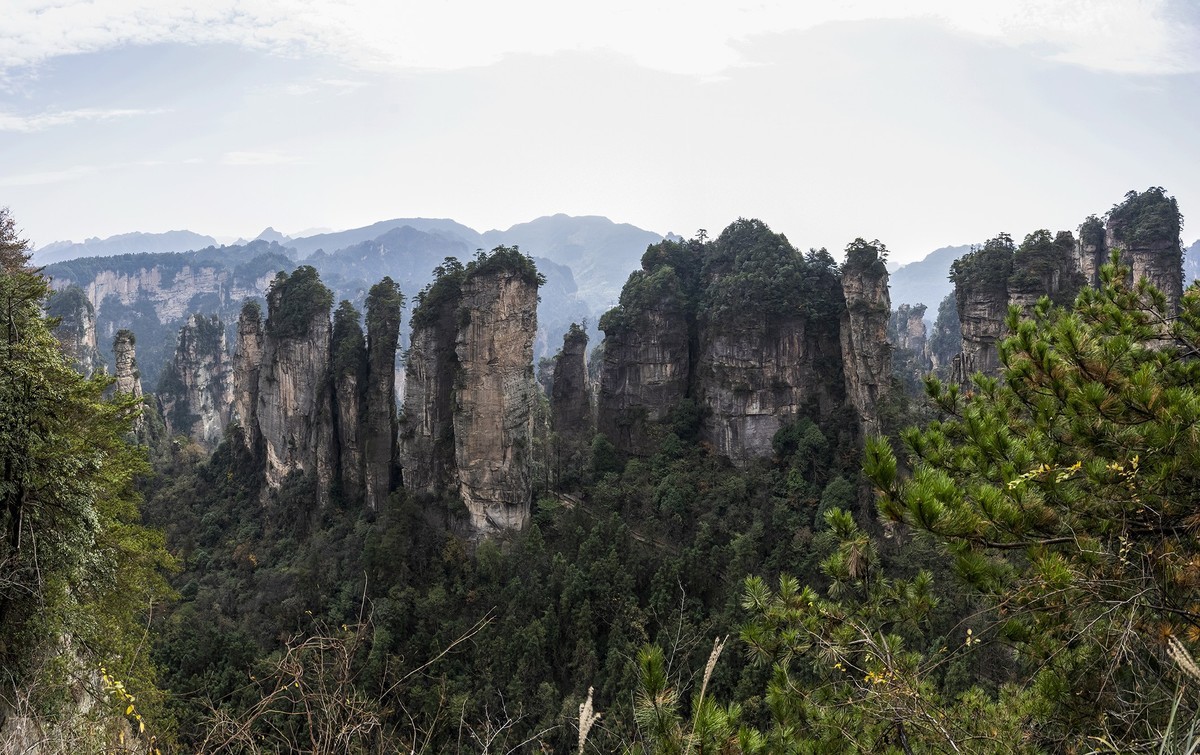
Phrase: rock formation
[128,378]
[431,368]
[76,331]
[907,331]
[1145,227]
[380,451]
[294,407]
[467,422]
[349,385]
[647,364]
[744,326]
[570,404]
[981,290]
[866,354]
[247,366]
[196,393]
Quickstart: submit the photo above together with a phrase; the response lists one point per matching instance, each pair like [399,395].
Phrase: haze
[925,127]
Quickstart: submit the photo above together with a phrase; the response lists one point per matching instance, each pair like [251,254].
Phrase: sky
[922,124]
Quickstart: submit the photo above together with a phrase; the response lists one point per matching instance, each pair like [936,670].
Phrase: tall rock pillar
[247,366]
[865,349]
[196,392]
[380,450]
[294,408]
[128,377]
[493,417]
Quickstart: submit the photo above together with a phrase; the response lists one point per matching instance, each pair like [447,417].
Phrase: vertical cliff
[196,393]
[128,377]
[981,291]
[866,353]
[380,449]
[768,346]
[468,402]
[426,429]
[294,406]
[247,366]
[647,357]
[1045,265]
[570,405]
[743,325]
[1146,228]
[493,410]
[349,364]
[76,331]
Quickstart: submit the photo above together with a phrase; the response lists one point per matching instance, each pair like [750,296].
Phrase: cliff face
[1146,228]
[128,378]
[426,431]
[570,404]
[76,331]
[866,353]
[981,290]
[646,370]
[380,449]
[294,406]
[493,414]
[349,383]
[247,367]
[468,404]
[170,291]
[744,325]
[197,392]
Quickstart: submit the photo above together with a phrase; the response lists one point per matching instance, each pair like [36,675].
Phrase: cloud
[680,36]
[42,121]
[47,177]
[257,158]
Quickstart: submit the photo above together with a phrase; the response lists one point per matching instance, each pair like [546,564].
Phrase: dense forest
[1011,565]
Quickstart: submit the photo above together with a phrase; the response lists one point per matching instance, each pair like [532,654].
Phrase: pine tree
[1067,493]
[78,573]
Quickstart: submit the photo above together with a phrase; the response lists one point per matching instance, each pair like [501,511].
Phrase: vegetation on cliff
[294,300]
[1146,217]
[78,571]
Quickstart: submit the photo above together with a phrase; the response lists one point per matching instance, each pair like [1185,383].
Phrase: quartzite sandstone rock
[493,407]
[197,393]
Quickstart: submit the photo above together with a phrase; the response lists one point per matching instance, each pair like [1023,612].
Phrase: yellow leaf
[129,710]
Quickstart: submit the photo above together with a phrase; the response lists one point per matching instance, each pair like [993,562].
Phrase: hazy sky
[921,124]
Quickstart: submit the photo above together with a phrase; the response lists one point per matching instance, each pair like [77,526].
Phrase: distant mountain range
[125,243]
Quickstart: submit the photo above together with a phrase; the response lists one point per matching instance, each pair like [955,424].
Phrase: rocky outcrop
[76,331]
[866,354]
[171,288]
[381,463]
[646,368]
[247,366]
[493,416]
[981,291]
[570,403]
[349,385]
[907,331]
[196,393]
[128,379]
[426,435]
[744,326]
[468,411]
[1146,229]
[294,407]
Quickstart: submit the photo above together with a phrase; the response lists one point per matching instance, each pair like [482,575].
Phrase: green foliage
[79,571]
[384,304]
[985,270]
[443,293]
[1147,217]
[1045,266]
[1091,232]
[348,345]
[865,257]
[295,300]
[1065,493]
